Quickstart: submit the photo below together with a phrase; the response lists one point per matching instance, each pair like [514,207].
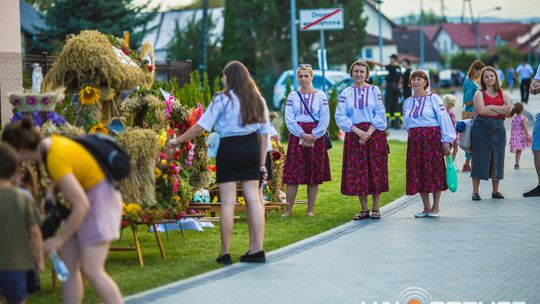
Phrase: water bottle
[59,267]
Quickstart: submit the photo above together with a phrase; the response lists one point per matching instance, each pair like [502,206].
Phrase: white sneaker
[433,215]
[421,214]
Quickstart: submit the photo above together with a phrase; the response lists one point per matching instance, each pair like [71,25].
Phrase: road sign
[321,19]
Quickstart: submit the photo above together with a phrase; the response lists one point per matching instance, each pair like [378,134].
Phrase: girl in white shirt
[361,115]
[307,159]
[430,134]
[240,116]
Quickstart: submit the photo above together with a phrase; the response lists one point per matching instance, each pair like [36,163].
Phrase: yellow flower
[163,138]
[165,176]
[164,162]
[176,198]
[215,200]
[89,96]
[99,128]
[157,171]
[241,200]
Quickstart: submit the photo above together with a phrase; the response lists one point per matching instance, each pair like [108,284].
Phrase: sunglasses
[304,65]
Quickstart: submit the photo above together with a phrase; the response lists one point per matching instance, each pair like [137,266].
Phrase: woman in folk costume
[430,135]
[361,115]
[307,117]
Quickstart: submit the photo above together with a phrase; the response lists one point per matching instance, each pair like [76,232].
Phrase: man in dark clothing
[406,90]
[393,92]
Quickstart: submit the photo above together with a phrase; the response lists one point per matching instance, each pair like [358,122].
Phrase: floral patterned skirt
[306,166]
[365,167]
[426,170]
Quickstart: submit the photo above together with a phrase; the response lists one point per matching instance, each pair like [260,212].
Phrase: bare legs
[518,156]
[292,190]
[91,259]
[428,208]
[364,202]
[254,209]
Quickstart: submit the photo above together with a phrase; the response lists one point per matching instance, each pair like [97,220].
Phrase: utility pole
[294,42]
[380,30]
[421,33]
[202,43]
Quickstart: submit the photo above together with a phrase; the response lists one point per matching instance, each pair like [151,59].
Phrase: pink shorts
[103,220]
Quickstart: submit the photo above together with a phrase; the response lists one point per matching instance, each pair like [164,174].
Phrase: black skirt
[238,159]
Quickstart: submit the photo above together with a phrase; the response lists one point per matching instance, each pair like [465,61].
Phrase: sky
[395,8]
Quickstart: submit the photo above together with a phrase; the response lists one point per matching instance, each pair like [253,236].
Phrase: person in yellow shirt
[96,208]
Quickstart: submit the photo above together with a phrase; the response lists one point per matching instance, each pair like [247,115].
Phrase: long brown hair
[516,109]
[22,134]
[476,65]
[252,104]
[483,86]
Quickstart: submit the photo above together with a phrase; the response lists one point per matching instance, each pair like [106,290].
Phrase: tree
[41,5]
[197,4]
[112,17]
[333,128]
[186,45]
[462,61]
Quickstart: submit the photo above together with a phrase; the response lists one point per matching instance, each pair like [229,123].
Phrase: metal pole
[294,42]
[202,43]
[478,37]
[380,31]
[323,62]
[421,34]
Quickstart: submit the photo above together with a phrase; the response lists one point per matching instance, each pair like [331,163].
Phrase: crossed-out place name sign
[321,19]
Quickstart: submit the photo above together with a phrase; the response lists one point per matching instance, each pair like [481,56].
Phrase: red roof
[429,30]
[464,34]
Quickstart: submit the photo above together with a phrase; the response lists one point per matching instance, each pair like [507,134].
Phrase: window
[369,53]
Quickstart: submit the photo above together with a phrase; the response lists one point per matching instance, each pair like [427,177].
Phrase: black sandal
[476,197]
[375,214]
[361,216]
[497,195]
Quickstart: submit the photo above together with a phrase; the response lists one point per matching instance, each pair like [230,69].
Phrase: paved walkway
[476,251]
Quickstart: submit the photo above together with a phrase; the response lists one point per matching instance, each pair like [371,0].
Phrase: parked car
[376,74]
[332,77]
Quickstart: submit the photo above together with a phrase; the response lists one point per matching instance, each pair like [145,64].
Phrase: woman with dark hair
[360,114]
[488,136]
[431,133]
[307,117]
[96,208]
[470,86]
[240,116]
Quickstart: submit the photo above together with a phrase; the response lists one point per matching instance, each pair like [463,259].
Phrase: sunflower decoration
[89,96]
[99,128]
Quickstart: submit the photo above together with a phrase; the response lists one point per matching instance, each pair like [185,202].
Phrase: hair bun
[27,123]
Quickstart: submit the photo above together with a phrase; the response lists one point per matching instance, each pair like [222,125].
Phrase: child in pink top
[519,136]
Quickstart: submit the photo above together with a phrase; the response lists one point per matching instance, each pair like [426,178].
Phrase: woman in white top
[240,116]
[307,159]
[431,133]
[361,115]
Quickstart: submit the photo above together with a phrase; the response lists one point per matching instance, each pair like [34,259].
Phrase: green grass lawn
[195,252]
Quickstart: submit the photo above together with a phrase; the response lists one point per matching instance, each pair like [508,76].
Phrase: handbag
[328,141]
[465,140]
[451,174]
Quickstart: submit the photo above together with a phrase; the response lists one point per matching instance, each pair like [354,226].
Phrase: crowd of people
[239,114]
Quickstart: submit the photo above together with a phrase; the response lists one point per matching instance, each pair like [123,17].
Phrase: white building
[371,46]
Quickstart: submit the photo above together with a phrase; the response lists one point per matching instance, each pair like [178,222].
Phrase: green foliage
[186,45]
[462,61]
[41,5]
[284,132]
[430,18]
[217,82]
[197,4]
[333,128]
[207,93]
[111,17]
[506,56]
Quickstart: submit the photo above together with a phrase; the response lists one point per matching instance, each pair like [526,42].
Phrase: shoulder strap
[305,106]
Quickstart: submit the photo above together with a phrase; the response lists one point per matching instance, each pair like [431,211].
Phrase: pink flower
[162,155]
[31,100]
[45,101]
[176,186]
